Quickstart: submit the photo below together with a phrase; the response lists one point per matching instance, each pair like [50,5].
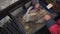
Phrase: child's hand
[37,6]
[47,17]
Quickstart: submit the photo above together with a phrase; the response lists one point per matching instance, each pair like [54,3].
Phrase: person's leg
[50,22]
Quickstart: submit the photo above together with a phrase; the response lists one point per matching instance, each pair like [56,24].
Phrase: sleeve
[35,2]
[50,22]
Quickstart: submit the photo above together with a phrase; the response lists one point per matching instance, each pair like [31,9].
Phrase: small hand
[47,17]
[37,6]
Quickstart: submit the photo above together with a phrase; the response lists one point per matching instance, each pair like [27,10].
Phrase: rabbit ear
[28,11]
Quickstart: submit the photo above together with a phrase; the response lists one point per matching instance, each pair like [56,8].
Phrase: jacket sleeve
[35,2]
[50,22]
